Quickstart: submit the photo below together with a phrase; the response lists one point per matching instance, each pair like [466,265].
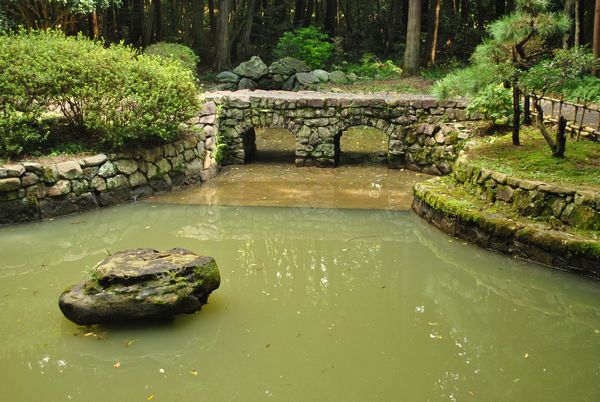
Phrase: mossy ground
[533,159]
[405,85]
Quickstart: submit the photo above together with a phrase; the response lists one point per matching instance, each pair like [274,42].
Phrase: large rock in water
[141,284]
[254,69]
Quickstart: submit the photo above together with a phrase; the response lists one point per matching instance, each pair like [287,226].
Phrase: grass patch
[409,85]
[533,159]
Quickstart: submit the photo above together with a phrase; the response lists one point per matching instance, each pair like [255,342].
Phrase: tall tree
[436,30]
[330,17]
[244,42]
[223,46]
[412,58]
[596,41]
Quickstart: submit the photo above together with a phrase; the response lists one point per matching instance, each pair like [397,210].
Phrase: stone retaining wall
[421,136]
[32,191]
[572,206]
[527,241]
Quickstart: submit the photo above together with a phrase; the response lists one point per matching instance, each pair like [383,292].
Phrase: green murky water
[314,305]
[360,301]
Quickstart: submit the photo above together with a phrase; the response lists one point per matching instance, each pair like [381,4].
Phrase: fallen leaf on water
[127,343]
[150,397]
[117,365]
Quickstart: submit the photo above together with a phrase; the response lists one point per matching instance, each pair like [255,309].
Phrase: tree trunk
[211,17]
[310,8]
[517,114]
[330,17]
[157,21]
[540,123]
[578,21]
[223,48]
[561,138]
[198,24]
[137,22]
[527,110]
[501,8]
[596,41]
[391,27]
[242,49]
[412,58]
[299,11]
[569,11]
[436,30]
[94,27]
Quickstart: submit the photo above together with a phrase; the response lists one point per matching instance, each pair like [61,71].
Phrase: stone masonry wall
[423,133]
[569,205]
[32,191]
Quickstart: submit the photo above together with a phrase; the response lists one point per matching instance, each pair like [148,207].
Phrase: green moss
[533,159]
[589,249]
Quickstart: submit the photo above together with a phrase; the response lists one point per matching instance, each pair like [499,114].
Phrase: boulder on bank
[307,79]
[338,77]
[246,83]
[141,284]
[322,75]
[227,77]
[288,66]
[253,69]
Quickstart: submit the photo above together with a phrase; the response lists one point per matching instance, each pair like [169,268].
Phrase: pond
[332,290]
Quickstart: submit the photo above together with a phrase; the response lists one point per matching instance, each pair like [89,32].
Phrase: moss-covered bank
[458,212]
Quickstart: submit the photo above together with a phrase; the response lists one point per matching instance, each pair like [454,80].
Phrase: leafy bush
[495,101]
[370,66]
[115,93]
[183,54]
[586,88]
[307,44]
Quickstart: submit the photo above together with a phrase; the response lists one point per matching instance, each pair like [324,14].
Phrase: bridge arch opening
[361,145]
[264,144]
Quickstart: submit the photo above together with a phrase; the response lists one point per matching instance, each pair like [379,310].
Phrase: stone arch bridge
[424,134]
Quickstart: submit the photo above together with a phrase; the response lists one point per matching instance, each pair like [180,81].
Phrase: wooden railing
[583,119]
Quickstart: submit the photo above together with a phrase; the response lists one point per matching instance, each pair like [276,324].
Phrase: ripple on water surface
[314,305]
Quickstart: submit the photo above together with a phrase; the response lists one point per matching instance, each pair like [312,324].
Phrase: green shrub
[116,94]
[586,89]
[307,44]
[370,66]
[183,54]
[495,101]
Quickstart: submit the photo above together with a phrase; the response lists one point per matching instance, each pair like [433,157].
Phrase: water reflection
[315,304]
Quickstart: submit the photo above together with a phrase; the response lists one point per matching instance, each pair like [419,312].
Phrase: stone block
[126,166]
[137,179]
[10,184]
[95,160]
[62,187]
[108,169]
[117,181]
[69,170]
[33,167]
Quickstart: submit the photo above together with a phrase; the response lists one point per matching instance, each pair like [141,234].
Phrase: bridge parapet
[424,134]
